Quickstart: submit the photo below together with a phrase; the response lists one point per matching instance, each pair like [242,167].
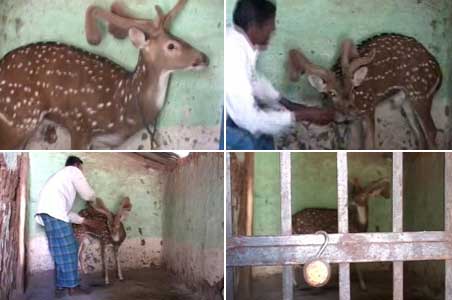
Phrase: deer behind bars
[311,220]
[385,67]
[100,103]
[110,233]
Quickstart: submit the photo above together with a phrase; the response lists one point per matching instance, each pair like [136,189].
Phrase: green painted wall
[194,98]
[193,224]
[424,207]
[314,185]
[111,175]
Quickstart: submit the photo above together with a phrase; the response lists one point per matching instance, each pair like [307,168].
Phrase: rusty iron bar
[286,218]
[397,219]
[448,218]
[342,206]
[342,248]
[229,270]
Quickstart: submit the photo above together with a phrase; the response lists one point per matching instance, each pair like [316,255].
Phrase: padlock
[316,271]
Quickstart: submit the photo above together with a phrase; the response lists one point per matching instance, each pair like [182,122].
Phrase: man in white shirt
[54,213]
[255,109]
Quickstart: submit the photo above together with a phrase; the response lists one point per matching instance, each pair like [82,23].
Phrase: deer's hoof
[121,278]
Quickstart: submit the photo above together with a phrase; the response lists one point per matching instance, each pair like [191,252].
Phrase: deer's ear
[359,76]
[317,83]
[384,190]
[138,38]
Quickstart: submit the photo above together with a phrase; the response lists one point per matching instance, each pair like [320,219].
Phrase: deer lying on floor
[311,220]
[99,102]
[111,233]
[385,67]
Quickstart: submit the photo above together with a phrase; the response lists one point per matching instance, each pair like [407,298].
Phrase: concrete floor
[149,284]
[379,286]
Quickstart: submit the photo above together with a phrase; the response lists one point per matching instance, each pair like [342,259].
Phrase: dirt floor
[379,286]
[149,284]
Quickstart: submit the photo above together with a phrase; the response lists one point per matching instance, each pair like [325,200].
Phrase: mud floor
[149,284]
[379,287]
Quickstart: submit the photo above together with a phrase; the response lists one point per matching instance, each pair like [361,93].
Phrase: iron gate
[344,248]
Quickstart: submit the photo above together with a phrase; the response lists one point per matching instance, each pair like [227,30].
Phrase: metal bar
[342,206]
[286,218]
[230,270]
[448,218]
[397,219]
[342,248]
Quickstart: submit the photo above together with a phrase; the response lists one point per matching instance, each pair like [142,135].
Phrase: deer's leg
[424,117]
[369,131]
[362,283]
[103,250]
[414,124]
[118,265]
[81,256]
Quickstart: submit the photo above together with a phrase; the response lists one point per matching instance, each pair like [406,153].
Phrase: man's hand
[92,223]
[290,105]
[315,115]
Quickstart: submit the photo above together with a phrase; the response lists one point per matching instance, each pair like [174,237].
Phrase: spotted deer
[312,220]
[99,102]
[111,233]
[385,67]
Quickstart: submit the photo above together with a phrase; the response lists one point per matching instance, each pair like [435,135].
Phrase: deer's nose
[202,60]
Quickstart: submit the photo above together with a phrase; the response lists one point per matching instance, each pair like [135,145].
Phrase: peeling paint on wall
[193,223]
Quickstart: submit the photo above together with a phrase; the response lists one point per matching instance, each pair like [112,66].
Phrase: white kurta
[58,195]
[244,88]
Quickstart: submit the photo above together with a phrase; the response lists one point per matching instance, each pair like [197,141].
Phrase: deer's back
[59,80]
[400,62]
[101,233]
[311,220]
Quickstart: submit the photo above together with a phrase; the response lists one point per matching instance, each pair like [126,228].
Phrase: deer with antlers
[385,67]
[111,233]
[100,103]
[312,220]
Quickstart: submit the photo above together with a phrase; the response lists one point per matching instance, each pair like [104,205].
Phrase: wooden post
[21,216]
[342,210]
[245,223]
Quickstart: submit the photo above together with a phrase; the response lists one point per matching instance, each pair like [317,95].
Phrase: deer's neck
[363,216]
[145,93]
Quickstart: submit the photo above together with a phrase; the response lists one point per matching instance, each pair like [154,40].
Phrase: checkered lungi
[64,250]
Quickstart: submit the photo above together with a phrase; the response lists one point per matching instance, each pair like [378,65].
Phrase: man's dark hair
[249,12]
[73,160]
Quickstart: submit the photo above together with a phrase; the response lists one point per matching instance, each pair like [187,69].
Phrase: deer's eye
[171,46]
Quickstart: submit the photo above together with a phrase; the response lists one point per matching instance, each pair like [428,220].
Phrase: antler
[351,61]
[119,32]
[349,52]
[119,23]
[380,187]
[173,13]
[299,64]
